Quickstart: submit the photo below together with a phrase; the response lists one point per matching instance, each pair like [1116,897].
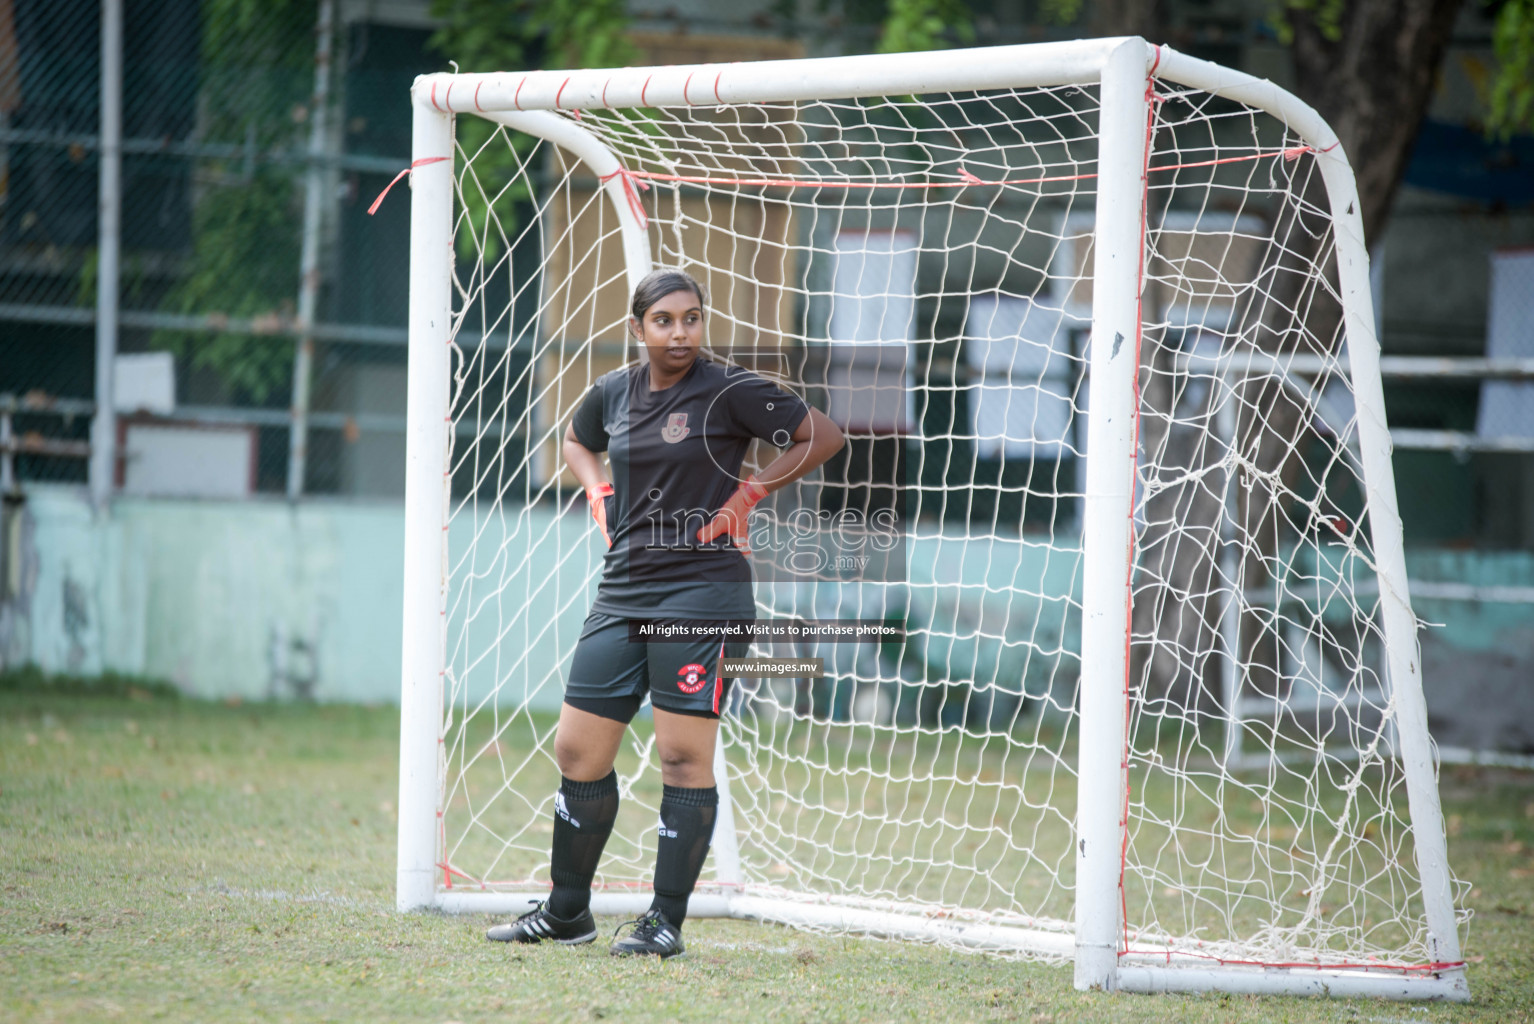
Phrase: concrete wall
[247,599]
[257,599]
[264,599]
[1478,657]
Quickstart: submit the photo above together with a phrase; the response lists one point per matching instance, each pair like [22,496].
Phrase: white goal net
[924,265]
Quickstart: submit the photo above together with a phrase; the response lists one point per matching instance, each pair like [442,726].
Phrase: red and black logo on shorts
[694,678]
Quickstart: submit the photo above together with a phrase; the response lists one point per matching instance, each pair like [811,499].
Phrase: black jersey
[675,457]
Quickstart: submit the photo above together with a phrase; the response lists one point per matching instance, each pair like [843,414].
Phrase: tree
[1511,100]
[924,25]
[257,60]
[491,35]
[1368,68]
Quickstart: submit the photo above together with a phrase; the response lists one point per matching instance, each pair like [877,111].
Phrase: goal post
[1004,270]
[427,484]
[1118,251]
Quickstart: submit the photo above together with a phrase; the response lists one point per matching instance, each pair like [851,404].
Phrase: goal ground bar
[1130,977]
[949,929]
[1449,986]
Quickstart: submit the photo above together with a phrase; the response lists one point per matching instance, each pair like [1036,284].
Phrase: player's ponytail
[657,284]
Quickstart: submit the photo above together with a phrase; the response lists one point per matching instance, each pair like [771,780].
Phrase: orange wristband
[596,498]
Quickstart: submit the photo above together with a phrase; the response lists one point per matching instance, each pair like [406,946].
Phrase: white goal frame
[1120,68]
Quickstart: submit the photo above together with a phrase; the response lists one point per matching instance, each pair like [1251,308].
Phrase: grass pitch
[165,859]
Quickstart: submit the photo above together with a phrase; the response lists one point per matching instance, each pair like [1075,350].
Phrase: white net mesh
[920,268]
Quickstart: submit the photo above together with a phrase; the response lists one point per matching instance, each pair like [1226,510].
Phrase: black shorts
[681,676]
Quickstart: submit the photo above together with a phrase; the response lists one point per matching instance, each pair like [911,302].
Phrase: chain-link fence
[253,137]
[239,145]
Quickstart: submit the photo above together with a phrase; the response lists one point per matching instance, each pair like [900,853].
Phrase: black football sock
[686,826]
[584,813]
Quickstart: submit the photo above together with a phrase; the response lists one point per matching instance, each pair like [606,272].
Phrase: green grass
[166,859]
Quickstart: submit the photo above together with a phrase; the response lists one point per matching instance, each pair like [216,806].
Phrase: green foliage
[246,16]
[591,34]
[912,25]
[1511,101]
[1060,12]
[245,255]
[257,79]
[1327,15]
[85,284]
[481,35]
[489,35]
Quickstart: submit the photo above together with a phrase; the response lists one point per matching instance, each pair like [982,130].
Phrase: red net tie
[419,163]
[631,193]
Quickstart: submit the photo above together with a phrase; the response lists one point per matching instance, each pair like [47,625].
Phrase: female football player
[674,516]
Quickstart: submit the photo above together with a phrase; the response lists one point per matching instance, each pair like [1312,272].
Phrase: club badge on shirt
[675,429]
[693,678]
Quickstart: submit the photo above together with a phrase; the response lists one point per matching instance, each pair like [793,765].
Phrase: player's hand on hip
[597,497]
[732,518]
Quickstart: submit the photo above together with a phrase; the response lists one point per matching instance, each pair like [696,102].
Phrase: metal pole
[309,259]
[426,499]
[1108,506]
[7,461]
[103,462]
[1230,568]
